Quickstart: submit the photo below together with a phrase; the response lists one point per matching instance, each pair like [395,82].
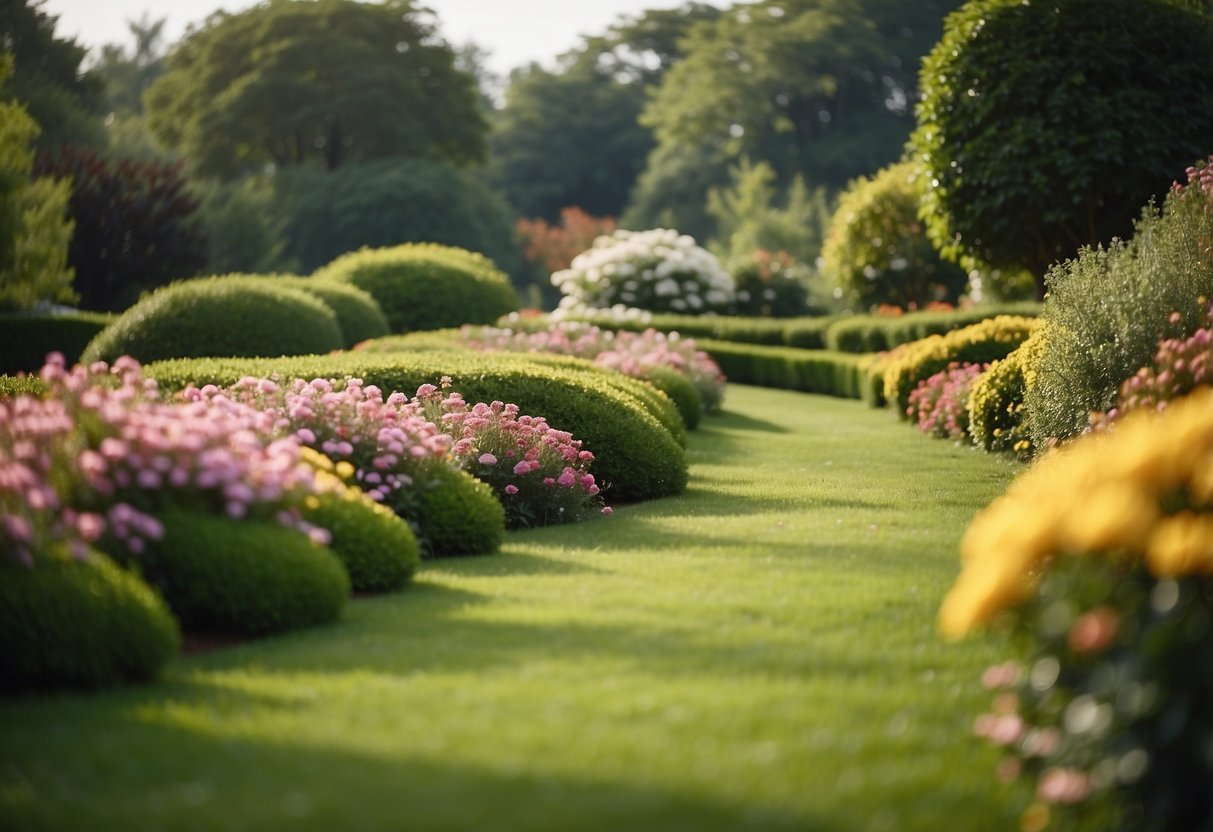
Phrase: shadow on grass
[213,778]
[733,420]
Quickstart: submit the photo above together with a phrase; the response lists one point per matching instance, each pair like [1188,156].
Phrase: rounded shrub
[80,623]
[979,343]
[378,548]
[427,286]
[996,402]
[876,250]
[219,316]
[244,577]
[681,391]
[457,514]
[358,314]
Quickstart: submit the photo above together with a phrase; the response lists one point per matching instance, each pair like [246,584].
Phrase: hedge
[804,332]
[27,338]
[635,456]
[789,368]
[358,314]
[874,333]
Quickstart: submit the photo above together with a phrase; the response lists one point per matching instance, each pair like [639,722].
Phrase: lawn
[758,653]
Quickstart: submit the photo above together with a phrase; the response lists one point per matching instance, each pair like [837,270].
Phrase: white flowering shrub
[658,270]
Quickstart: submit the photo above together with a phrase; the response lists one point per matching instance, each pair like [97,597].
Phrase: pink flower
[487,459]
[1064,785]
[607,511]
[511,489]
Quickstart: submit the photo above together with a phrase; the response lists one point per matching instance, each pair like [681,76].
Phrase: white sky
[515,31]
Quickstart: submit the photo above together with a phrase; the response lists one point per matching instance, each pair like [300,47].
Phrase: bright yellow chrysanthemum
[1143,490]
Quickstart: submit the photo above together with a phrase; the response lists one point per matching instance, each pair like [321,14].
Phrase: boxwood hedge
[635,456]
[790,368]
[874,333]
[358,314]
[378,548]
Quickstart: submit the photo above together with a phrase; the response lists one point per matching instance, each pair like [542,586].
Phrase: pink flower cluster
[628,352]
[101,454]
[940,404]
[541,473]
[387,441]
[1179,367]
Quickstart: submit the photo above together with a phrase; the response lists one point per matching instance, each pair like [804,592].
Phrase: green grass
[758,653]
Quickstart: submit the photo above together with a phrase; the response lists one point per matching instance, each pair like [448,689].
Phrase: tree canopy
[1044,127]
[328,81]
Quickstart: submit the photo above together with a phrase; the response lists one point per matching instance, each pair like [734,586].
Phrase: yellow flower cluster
[979,343]
[1142,491]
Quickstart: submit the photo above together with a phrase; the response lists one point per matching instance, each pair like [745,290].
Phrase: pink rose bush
[940,403]
[100,455]
[633,354]
[541,474]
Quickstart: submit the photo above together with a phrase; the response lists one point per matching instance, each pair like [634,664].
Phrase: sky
[515,31]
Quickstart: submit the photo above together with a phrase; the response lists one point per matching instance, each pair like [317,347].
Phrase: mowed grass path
[756,654]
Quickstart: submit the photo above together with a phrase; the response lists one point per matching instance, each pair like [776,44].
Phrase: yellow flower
[345,470]
[1182,545]
[1117,516]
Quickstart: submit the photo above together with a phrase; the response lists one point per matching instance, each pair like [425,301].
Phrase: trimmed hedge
[379,550]
[219,316]
[997,420]
[457,514]
[427,286]
[979,343]
[875,333]
[680,390]
[637,457]
[809,371]
[249,577]
[71,623]
[804,332]
[651,395]
[358,314]
[27,338]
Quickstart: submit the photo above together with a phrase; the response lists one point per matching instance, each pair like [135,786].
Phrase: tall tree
[584,113]
[822,88]
[48,78]
[1046,127]
[328,81]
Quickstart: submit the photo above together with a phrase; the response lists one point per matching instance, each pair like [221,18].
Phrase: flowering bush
[1098,560]
[997,417]
[540,474]
[657,270]
[770,285]
[1180,366]
[940,404]
[633,354]
[100,455]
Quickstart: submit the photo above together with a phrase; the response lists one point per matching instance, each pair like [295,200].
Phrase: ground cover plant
[692,665]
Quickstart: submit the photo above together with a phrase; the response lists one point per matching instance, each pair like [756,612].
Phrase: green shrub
[876,250]
[979,343]
[71,623]
[806,332]
[379,550]
[13,386]
[26,337]
[358,314]
[1108,309]
[997,419]
[219,316]
[681,391]
[456,514]
[245,576]
[789,368]
[427,286]
[874,333]
[635,456]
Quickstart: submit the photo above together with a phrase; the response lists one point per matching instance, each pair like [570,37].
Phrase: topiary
[456,514]
[219,316]
[358,314]
[427,286]
[979,343]
[876,249]
[80,623]
[245,576]
[379,550]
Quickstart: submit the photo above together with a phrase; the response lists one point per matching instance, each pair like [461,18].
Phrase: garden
[915,533]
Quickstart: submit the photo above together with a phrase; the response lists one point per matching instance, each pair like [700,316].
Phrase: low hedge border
[636,456]
[26,338]
[837,374]
[804,332]
[876,333]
